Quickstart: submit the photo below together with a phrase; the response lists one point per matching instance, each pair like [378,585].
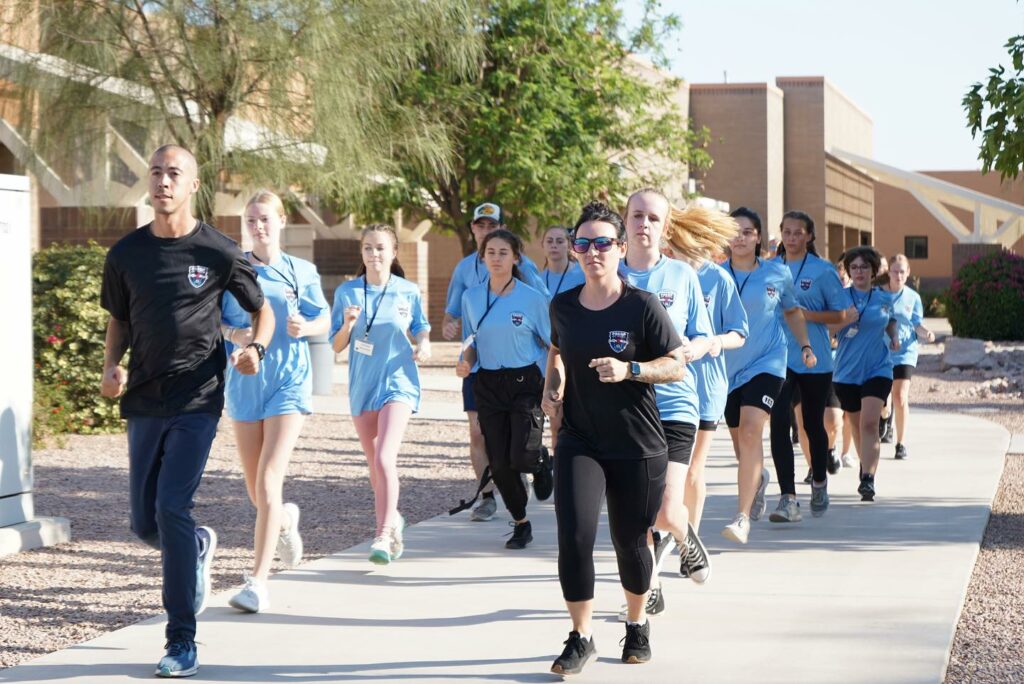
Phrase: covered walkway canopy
[996,221]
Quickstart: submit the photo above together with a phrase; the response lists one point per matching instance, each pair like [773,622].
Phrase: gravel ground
[103,580]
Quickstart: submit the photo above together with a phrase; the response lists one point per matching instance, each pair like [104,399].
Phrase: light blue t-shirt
[284,381]
[863,346]
[764,292]
[909,313]
[727,314]
[389,374]
[471,271]
[561,281]
[817,287]
[514,332]
[678,290]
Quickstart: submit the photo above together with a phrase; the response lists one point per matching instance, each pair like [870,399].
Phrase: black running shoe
[901,452]
[867,488]
[693,558]
[544,479]
[810,476]
[834,464]
[655,602]
[578,652]
[522,534]
[636,645]
[885,429]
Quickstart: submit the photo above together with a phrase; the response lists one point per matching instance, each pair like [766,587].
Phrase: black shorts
[831,401]
[760,391]
[850,396]
[468,400]
[679,437]
[903,371]
[707,425]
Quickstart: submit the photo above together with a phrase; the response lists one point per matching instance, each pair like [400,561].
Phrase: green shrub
[68,329]
[986,299]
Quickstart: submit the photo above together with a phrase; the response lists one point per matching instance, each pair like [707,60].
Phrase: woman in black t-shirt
[610,342]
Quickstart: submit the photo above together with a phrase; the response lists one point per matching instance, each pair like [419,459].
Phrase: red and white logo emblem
[517,318]
[198,275]
[771,291]
[617,340]
[805,283]
[667,298]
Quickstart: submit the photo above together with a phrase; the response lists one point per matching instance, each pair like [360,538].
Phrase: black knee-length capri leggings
[633,488]
[508,407]
[814,391]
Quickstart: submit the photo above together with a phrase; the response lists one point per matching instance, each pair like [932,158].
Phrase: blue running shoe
[181,660]
[207,547]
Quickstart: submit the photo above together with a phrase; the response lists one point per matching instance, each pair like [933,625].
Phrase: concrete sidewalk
[868,593]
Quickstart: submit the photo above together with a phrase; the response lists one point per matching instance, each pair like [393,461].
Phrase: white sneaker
[254,597]
[380,549]
[289,542]
[738,530]
[397,544]
[849,461]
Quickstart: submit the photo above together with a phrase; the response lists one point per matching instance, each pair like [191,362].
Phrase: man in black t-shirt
[162,285]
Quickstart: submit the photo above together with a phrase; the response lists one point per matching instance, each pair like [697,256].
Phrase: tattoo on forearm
[666,369]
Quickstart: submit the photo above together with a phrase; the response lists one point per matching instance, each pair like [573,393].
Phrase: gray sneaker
[788,511]
[819,500]
[207,540]
[759,506]
[484,509]
[738,530]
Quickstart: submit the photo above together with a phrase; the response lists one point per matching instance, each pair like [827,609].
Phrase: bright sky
[907,63]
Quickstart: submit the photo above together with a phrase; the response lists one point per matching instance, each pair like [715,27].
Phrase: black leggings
[814,392]
[508,406]
[633,487]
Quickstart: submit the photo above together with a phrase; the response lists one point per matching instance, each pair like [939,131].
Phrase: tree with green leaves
[555,115]
[285,93]
[995,109]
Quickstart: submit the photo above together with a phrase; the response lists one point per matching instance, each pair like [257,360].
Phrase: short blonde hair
[270,198]
[697,232]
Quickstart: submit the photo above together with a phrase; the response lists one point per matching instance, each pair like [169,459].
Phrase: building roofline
[825,83]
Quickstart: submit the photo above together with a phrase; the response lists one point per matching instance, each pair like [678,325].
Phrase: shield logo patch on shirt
[198,275]
[404,310]
[517,318]
[617,340]
[667,298]
[707,300]
[805,283]
[771,291]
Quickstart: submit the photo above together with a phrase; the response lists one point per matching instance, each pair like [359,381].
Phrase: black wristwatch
[807,346]
[634,370]
[261,351]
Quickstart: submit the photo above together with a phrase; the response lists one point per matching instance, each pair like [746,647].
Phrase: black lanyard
[292,282]
[366,302]
[860,311]
[757,263]
[803,263]
[490,304]
[559,286]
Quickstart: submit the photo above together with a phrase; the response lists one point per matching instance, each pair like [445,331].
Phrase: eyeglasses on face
[860,267]
[602,244]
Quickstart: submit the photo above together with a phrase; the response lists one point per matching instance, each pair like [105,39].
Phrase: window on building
[915,246]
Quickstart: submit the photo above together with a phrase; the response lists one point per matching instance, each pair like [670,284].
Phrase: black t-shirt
[611,419]
[169,292]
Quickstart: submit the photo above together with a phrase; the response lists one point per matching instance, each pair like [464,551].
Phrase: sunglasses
[602,244]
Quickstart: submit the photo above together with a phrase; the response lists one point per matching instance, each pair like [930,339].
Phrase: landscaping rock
[961,352]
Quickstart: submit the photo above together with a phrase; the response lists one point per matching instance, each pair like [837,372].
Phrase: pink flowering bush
[68,332]
[986,299]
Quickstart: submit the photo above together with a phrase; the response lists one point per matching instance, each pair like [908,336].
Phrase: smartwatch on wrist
[261,351]
[634,370]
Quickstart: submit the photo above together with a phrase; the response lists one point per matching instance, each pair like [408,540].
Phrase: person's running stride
[162,285]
